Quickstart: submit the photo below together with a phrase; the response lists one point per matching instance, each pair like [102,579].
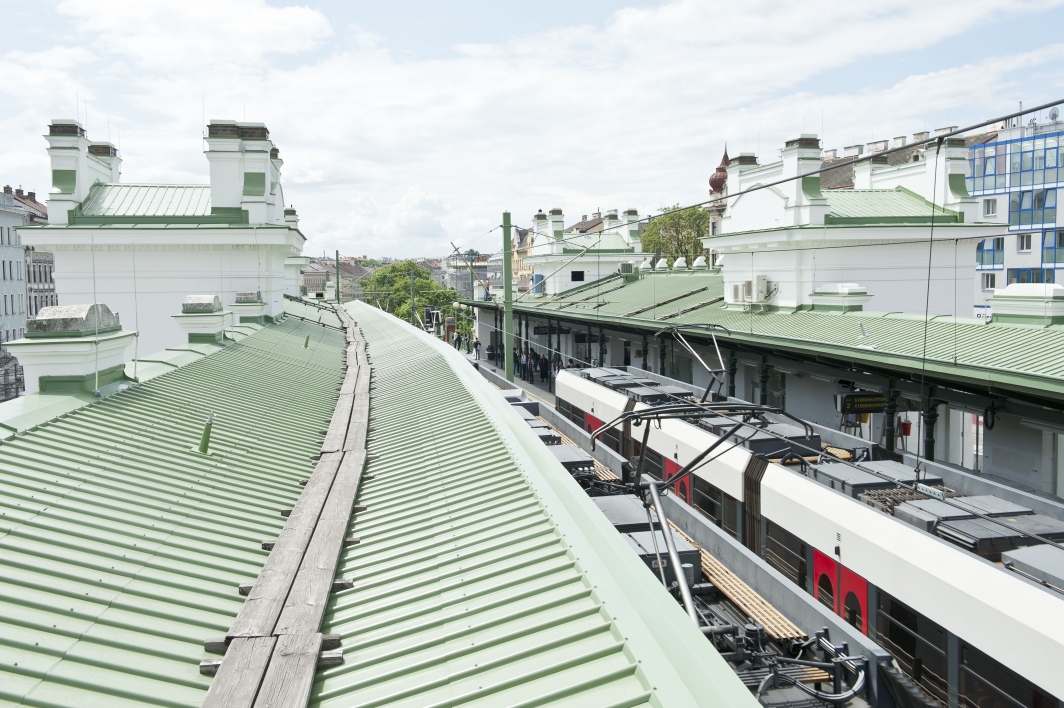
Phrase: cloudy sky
[413,123]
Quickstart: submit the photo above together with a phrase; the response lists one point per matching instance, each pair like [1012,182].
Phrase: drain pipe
[674,557]
[205,439]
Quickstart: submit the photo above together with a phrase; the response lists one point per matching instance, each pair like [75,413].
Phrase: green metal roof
[1019,358]
[147,200]
[605,241]
[884,206]
[484,575]
[121,549]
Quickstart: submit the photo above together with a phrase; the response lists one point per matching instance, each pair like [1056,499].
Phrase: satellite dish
[1054,113]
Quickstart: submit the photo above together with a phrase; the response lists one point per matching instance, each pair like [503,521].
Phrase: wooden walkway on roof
[274,646]
[745,598]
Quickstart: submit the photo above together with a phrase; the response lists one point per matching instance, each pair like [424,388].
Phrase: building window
[1030,275]
[1053,247]
[577,276]
[1037,206]
[1023,243]
[989,281]
[990,207]
[990,253]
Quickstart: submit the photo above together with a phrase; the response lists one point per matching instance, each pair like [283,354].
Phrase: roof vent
[201,303]
[647,264]
[72,321]
[1028,303]
[680,264]
[700,264]
[662,265]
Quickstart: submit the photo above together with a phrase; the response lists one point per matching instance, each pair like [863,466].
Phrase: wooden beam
[290,675]
[305,605]
[265,601]
[240,674]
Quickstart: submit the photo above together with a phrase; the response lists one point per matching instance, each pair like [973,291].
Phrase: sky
[410,125]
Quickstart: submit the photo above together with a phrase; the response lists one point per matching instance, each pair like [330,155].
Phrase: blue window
[1035,206]
[990,254]
[1029,275]
[1053,247]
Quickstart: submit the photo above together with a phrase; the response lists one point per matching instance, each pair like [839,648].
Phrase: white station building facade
[142,248]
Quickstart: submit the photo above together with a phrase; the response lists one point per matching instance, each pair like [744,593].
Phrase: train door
[840,589]
[682,489]
[853,599]
[826,580]
[591,423]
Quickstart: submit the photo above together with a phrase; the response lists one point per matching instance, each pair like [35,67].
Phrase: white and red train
[966,630]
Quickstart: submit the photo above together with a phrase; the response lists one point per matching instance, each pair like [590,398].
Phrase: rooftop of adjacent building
[1014,351]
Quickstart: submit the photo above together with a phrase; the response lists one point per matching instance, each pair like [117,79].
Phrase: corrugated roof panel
[148,200]
[484,576]
[121,548]
[868,203]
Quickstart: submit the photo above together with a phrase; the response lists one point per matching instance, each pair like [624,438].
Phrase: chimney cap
[805,140]
[201,303]
[255,296]
[556,212]
[72,321]
[66,126]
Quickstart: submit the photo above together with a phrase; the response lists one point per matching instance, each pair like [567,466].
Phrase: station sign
[862,402]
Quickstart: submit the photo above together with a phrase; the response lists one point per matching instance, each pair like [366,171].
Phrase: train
[965,629]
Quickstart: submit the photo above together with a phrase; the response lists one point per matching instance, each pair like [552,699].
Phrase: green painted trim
[830,308]
[68,384]
[252,319]
[811,187]
[958,186]
[205,338]
[236,215]
[254,184]
[64,181]
[939,218]
[73,333]
[1039,320]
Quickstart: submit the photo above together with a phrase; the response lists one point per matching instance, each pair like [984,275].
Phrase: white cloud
[395,155]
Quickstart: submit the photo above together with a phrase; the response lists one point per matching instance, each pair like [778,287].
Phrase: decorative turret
[719,178]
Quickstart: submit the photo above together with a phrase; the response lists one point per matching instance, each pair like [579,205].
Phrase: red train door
[682,488]
[826,580]
[841,589]
[591,424]
[853,599]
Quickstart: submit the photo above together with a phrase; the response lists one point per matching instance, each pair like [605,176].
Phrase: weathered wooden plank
[241,673]
[334,438]
[356,432]
[348,386]
[259,614]
[290,675]
[305,605]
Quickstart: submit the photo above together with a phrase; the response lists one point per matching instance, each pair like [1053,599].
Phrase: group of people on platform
[529,363]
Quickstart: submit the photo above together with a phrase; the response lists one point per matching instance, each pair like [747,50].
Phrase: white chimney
[877,146]
[245,171]
[899,141]
[72,348]
[249,307]
[830,154]
[853,150]
[630,226]
[73,171]
[203,319]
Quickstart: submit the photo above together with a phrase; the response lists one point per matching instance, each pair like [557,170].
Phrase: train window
[852,610]
[655,465]
[612,439]
[707,499]
[731,516]
[563,408]
[787,553]
[577,416]
[985,683]
[917,643]
[825,592]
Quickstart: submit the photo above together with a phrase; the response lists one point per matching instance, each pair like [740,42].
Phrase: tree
[677,232]
[388,288]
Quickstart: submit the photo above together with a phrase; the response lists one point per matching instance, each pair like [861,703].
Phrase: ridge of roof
[535,598]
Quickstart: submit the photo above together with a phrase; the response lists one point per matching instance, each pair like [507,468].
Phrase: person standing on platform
[476,349]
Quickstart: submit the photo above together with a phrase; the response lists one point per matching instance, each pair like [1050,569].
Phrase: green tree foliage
[388,288]
[677,232]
